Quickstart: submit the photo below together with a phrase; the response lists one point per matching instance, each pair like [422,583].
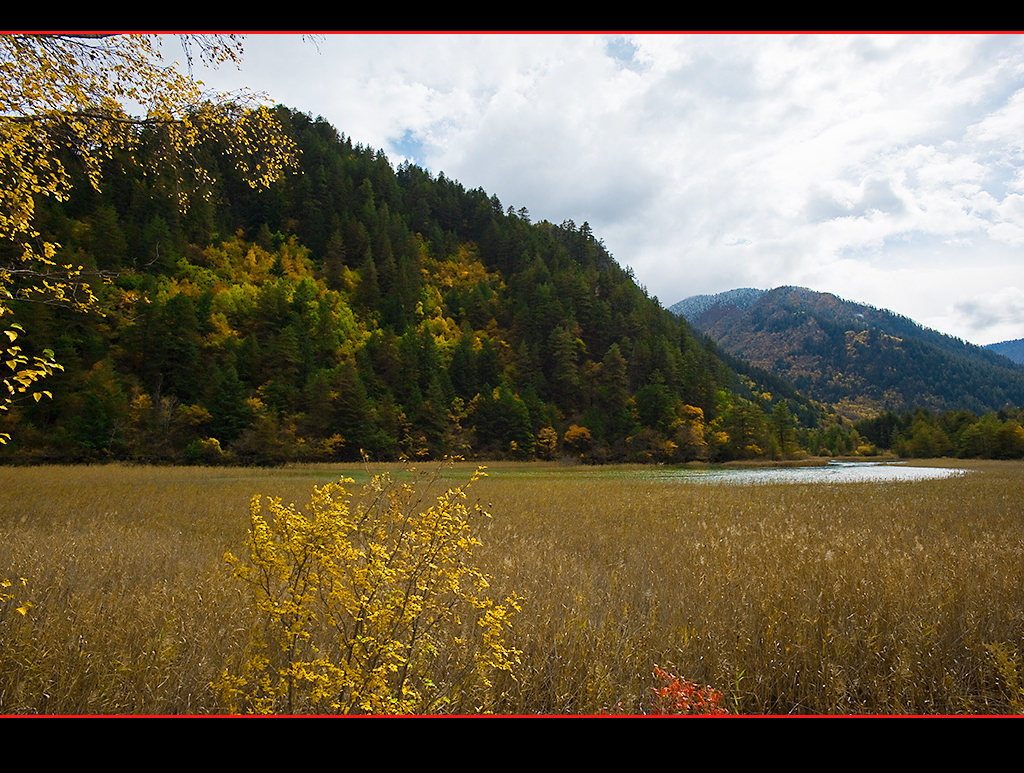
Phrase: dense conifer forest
[355,309]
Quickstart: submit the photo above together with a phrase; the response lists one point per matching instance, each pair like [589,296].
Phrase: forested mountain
[355,308]
[1012,350]
[860,359]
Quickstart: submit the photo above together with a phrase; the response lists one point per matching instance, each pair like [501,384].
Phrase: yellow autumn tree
[368,605]
[72,97]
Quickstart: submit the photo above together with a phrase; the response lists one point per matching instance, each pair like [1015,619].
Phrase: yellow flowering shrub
[367,606]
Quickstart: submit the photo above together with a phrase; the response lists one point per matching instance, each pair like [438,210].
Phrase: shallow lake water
[833,472]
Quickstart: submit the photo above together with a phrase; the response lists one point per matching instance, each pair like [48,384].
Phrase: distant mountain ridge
[695,306]
[1013,350]
[852,356]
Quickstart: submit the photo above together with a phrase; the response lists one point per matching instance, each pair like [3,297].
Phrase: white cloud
[992,313]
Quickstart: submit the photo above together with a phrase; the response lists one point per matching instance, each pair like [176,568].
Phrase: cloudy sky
[885,169]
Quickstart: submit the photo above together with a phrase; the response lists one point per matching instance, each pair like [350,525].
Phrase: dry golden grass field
[880,598]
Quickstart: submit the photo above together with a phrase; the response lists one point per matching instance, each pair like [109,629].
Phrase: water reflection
[833,472]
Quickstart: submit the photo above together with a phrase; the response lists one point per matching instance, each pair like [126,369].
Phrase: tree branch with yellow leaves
[84,96]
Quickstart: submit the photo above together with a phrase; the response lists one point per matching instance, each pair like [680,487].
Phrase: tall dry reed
[839,598]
